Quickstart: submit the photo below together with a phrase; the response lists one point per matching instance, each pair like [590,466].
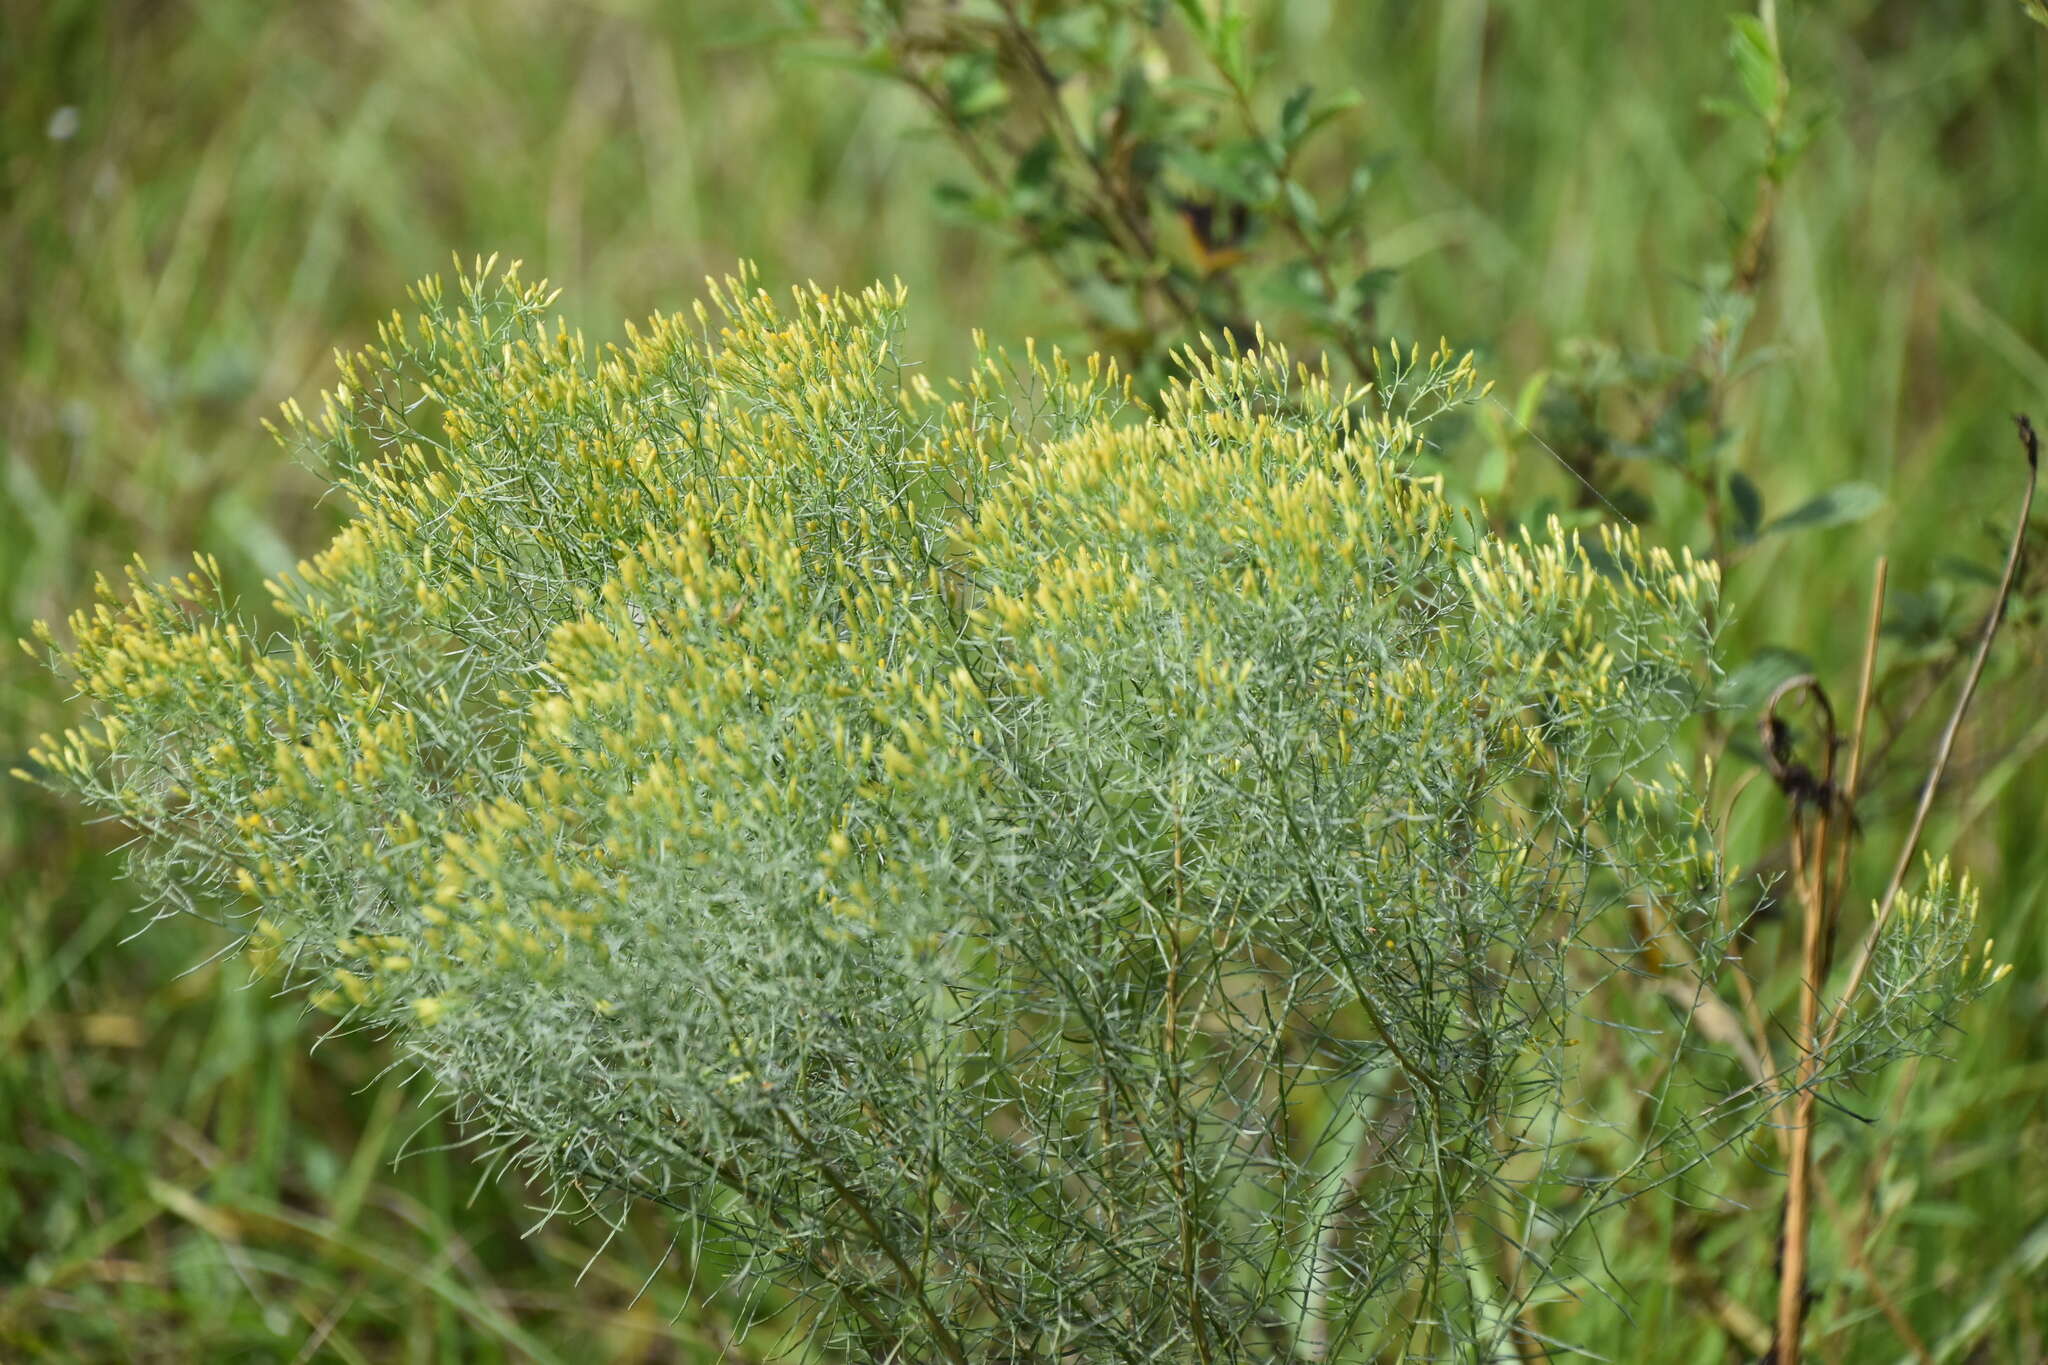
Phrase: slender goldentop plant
[1040,878]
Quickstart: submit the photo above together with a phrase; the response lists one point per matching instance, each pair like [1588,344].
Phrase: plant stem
[1190,1284]
[941,1334]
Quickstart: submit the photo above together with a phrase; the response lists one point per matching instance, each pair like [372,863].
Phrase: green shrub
[1047,879]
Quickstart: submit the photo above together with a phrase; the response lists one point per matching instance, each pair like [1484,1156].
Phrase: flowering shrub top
[1049,880]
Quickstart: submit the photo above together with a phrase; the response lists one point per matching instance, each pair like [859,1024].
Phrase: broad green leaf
[1294,287]
[1961,570]
[1749,505]
[973,87]
[1838,506]
[1372,283]
[1920,619]
[1034,168]
[1747,685]
[1237,178]
[1113,306]
[962,204]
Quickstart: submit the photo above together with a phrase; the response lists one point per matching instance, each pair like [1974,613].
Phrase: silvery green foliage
[1040,880]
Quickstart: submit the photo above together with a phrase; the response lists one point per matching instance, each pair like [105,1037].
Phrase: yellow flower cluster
[683,600]
[689,714]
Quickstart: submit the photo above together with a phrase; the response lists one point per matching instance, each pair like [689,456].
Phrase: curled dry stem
[1809,874]
[1821,898]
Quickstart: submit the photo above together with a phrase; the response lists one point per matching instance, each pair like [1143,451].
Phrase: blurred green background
[199,200]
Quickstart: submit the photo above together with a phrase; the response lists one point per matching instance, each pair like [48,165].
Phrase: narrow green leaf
[1529,397]
[1228,45]
[1294,115]
[1757,65]
[1492,473]
[1304,206]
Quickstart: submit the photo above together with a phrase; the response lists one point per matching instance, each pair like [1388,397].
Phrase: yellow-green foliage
[990,850]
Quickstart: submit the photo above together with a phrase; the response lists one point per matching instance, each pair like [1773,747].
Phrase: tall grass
[238,186]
